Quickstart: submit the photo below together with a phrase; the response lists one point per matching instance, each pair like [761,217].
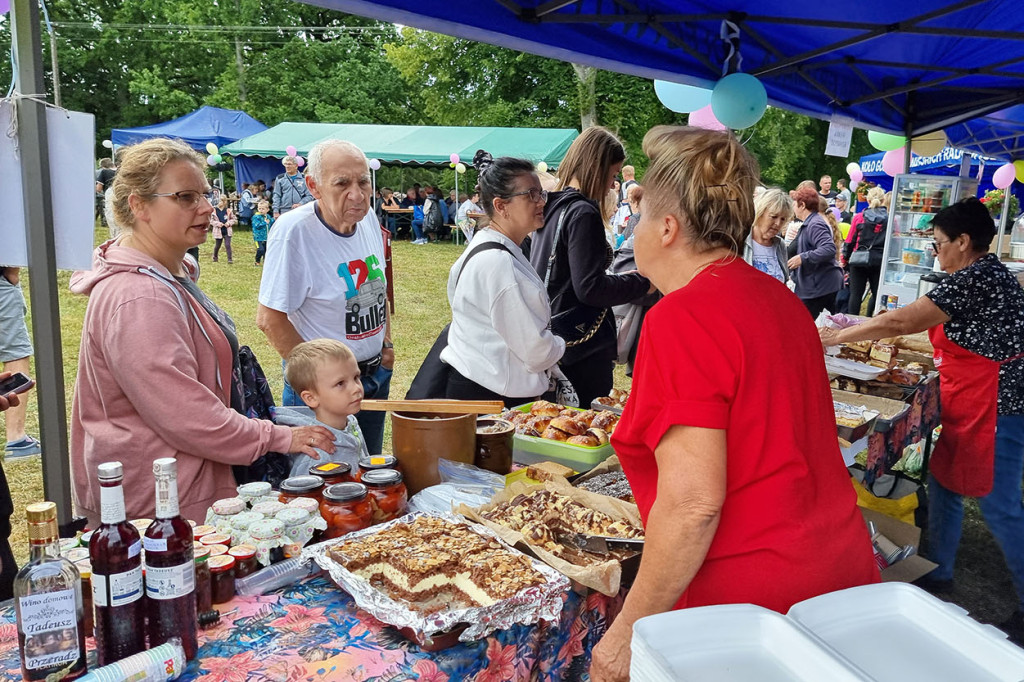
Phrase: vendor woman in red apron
[975,320]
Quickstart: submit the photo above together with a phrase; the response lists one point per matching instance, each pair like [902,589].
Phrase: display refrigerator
[908,244]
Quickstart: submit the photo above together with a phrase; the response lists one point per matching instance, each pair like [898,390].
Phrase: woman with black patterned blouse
[975,320]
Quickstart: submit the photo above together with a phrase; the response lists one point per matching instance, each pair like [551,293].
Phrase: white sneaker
[419,241]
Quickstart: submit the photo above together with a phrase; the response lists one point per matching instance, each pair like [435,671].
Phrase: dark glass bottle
[170,568]
[48,604]
[117,590]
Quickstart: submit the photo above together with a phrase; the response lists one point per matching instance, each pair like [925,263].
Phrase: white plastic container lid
[731,643]
[898,632]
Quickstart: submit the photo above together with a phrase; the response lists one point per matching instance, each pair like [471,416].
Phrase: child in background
[324,373]
[261,223]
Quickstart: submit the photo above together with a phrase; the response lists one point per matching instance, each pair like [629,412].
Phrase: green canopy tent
[258,156]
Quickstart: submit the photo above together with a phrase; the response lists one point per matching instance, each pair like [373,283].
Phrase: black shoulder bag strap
[570,341]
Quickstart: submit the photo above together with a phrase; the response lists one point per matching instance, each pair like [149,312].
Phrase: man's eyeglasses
[536,195]
[187,199]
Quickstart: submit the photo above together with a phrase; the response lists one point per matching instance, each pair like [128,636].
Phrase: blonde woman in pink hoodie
[157,356]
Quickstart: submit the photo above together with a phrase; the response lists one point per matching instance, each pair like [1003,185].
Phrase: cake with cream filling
[433,563]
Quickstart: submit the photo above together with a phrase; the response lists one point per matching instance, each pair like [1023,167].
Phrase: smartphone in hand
[16,383]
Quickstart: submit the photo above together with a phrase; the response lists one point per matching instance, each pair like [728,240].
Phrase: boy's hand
[306,439]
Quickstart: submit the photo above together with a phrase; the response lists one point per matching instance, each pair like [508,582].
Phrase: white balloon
[852,167]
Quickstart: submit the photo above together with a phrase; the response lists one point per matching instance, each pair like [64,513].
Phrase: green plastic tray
[531,450]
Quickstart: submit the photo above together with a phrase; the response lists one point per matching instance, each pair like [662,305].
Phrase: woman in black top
[574,268]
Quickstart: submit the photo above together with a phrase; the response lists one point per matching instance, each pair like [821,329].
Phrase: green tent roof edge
[419,145]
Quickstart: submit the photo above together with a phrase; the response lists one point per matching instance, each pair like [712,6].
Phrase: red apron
[964,457]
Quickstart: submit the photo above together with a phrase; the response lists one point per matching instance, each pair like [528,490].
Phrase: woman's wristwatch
[388,345]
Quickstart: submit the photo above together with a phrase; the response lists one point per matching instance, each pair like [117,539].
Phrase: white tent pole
[373,174]
[1003,219]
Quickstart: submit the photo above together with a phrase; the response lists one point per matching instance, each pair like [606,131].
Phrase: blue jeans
[376,385]
[1002,508]
[417,229]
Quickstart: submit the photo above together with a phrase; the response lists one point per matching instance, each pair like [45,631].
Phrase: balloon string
[730,34]
[12,128]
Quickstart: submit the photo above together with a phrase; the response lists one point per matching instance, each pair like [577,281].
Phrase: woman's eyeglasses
[536,195]
[187,199]
[936,244]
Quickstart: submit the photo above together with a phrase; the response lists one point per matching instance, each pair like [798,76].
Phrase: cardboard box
[911,568]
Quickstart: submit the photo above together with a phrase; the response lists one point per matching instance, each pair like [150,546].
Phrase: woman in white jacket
[500,346]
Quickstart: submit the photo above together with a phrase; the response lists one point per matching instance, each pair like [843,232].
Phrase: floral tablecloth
[886,448]
[313,632]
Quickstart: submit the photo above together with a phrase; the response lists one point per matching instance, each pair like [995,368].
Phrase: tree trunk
[587,76]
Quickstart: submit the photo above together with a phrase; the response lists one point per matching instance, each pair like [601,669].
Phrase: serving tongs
[604,545]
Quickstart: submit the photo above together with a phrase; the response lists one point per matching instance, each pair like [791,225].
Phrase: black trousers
[816,305]
[8,566]
[461,388]
[591,379]
[860,278]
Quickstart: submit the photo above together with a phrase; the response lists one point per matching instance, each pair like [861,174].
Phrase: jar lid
[345,492]
[141,525]
[255,489]
[268,509]
[378,462]
[217,550]
[242,551]
[307,503]
[293,517]
[330,469]
[201,553]
[68,543]
[301,484]
[76,554]
[228,507]
[380,478]
[86,537]
[243,520]
[84,569]
[200,531]
[267,529]
[219,564]
[215,539]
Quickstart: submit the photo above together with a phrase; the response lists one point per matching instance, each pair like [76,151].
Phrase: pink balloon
[454,158]
[857,176]
[705,118]
[299,161]
[290,150]
[1004,175]
[892,162]
[5,6]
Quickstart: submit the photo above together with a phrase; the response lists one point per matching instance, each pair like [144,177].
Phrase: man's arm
[278,196]
[278,329]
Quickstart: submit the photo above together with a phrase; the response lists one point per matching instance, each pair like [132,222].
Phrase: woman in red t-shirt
[728,439]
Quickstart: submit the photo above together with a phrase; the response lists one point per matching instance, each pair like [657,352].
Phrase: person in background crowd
[388,202]
[707,472]
[843,204]
[247,204]
[452,203]
[290,189]
[636,193]
[8,564]
[818,276]
[609,211]
[104,179]
[410,198]
[843,295]
[764,248]
[462,219]
[843,192]
[303,298]
[223,221]
[826,192]
[261,224]
[15,354]
[500,346]
[573,264]
[867,233]
[628,180]
[158,362]
[975,321]
[793,229]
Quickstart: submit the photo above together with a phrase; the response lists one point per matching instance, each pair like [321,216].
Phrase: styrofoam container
[731,643]
[852,369]
[897,632]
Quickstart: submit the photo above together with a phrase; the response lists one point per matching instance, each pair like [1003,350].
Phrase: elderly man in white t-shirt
[324,276]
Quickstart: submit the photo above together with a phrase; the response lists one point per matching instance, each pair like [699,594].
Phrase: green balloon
[884,142]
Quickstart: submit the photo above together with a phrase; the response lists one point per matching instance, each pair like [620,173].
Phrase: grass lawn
[421,274]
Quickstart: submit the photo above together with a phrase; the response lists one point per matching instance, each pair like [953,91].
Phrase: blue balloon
[739,100]
[682,99]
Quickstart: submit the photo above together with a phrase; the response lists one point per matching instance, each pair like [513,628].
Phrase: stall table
[403,217]
[314,632]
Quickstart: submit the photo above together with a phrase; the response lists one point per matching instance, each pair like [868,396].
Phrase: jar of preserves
[268,538]
[333,472]
[375,462]
[200,531]
[215,539]
[245,560]
[346,508]
[301,486]
[297,529]
[140,525]
[204,596]
[222,512]
[217,550]
[387,494]
[222,578]
[316,519]
[240,526]
[268,509]
[88,613]
[249,492]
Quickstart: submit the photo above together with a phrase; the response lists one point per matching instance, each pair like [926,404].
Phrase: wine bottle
[170,569]
[116,557]
[48,604]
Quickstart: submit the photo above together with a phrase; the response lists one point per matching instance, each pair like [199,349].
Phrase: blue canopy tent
[946,162]
[202,126]
[907,68]
[1000,134]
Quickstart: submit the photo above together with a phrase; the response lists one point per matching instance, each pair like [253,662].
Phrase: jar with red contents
[301,486]
[245,560]
[332,472]
[375,463]
[346,508]
[387,493]
[222,578]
